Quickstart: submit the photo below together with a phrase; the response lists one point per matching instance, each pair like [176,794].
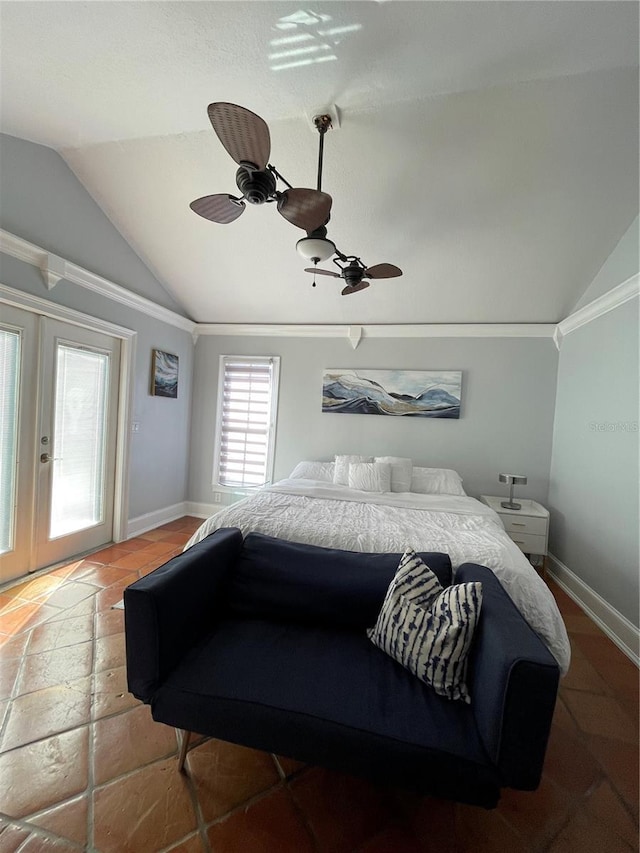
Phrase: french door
[58,425]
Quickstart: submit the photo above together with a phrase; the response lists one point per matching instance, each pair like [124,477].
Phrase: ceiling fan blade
[220,208]
[383,271]
[354,288]
[244,134]
[307,209]
[317,271]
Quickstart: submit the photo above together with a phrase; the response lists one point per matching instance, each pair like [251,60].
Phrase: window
[10,346]
[246,420]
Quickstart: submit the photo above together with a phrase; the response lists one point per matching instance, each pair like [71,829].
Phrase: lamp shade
[315,248]
[513,479]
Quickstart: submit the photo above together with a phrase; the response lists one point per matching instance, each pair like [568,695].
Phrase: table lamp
[512,480]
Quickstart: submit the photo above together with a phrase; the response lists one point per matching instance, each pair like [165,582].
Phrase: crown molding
[54,268]
[356,333]
[602,305]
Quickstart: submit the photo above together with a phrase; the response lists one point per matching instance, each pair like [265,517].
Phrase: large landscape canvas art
[400,393]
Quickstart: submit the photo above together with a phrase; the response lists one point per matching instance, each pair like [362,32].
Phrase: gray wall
[621,264]
[43,202]
[505,425]
[593,493]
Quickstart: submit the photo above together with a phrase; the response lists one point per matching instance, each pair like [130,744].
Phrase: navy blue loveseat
[262,642]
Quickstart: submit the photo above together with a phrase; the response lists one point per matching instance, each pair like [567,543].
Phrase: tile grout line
[248,803]
[280,771]
[201,826]
[302,814]
[37,831]
[298,810]
[12,696]
[90,751]
[128,773]
[583,739]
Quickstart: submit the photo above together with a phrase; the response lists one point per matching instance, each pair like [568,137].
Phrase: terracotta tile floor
[83,766]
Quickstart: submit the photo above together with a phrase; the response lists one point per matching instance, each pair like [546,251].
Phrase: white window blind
[245,431]
[78,478]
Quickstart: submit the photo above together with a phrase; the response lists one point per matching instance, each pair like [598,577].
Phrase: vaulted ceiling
[489,149]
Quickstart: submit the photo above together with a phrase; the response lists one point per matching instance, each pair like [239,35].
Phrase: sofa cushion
[429,629]
[325,695]
[280,580]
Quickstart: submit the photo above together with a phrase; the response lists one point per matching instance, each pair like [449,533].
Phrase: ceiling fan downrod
[316,246]
[323,124]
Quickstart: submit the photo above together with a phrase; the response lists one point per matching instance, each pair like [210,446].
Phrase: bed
[434,514]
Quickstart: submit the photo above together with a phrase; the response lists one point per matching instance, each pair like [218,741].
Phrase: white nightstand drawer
[529,543]
[515,524]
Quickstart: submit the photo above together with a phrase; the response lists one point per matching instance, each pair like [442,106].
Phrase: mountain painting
[400,393]
[164,374]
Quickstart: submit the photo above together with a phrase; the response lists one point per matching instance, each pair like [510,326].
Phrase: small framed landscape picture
[164,374]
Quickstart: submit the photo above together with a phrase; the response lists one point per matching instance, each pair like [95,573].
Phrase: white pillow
[313,471]
[341,469]
[400,472]
[436,481]
[370,476]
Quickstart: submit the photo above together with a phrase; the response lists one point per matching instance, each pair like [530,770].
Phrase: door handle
[46,457]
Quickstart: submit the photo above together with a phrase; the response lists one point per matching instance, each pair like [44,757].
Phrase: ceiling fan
[353,271]
[317,247]
[246,138]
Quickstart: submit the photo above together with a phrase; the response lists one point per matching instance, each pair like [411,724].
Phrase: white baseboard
[616,626]
[149,520]
[202,510]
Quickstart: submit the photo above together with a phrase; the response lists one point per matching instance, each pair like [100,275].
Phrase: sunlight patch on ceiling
[313,43]
[308,19]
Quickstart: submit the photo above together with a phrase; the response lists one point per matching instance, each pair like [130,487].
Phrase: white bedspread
[333,516]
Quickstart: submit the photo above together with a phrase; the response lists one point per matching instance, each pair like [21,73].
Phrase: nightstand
[528,527]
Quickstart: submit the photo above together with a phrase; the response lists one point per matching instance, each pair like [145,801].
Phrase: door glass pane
[9,387]
[77,495]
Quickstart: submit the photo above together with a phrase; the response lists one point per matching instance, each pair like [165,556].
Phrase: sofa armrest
[513,681]
[169,610]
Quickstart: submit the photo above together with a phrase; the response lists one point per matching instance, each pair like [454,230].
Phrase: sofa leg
[184,746]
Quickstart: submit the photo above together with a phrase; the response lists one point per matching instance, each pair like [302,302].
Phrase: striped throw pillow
[427,628]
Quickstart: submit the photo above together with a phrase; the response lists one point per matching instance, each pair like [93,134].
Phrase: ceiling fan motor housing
[255,185]
[352,273]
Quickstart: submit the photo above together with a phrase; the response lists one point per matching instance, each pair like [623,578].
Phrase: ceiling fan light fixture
[315,249]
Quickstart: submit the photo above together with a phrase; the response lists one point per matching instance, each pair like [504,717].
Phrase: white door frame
[127,337]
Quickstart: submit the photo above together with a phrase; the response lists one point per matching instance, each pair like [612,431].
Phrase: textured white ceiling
[490,149]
